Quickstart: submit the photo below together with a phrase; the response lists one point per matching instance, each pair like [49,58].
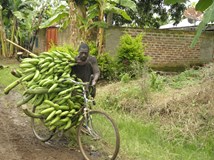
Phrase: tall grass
[179,130]
[147,141]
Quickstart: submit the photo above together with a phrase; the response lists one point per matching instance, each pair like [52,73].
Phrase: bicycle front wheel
[98,137]
[39,129]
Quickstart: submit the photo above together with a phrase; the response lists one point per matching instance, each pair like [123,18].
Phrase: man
[86,68]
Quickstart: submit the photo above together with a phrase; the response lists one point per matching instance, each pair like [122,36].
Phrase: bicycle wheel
[39,129]
[98,137]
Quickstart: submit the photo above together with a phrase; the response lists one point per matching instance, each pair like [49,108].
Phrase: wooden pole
[19,46]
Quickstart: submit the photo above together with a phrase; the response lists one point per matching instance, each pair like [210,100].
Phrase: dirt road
[17,141]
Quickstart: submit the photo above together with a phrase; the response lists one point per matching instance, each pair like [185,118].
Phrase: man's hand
[93,83]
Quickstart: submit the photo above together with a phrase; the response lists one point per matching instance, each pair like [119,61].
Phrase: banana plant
[3,51]
[110,6]
[58,15]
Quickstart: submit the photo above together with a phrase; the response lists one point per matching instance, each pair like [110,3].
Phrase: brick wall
[167,48]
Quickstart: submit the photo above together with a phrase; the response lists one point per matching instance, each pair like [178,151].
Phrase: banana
[51,64]
[48,59]
[60,56]
[30,70]
[28,77]
[57,118]
[64,113]
[51,115]
[44,65]
[66,119]
[33,61]
[36,75]
[39,99]
[48,110]
[59,112]
[52,87]
[48,82]
[52,128]
[64,107]
[68,125]
[26,65]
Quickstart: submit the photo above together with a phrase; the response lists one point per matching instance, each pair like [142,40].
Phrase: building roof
[183,24]
[192,20]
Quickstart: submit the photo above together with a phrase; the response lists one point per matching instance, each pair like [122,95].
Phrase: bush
[130,51]
[107,66]
[105,61]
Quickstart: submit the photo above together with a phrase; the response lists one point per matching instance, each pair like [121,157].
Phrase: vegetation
[144,16]
[171,115]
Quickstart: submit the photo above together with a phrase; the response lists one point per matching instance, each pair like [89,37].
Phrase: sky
[191,1]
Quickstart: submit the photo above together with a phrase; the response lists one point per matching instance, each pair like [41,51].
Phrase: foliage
[208,8]
[107,66]
[144,17]
[58,15]
[187,77]
[207,18]
[156,81]
[125,78]
[185,132]
[105,61]
[130,50]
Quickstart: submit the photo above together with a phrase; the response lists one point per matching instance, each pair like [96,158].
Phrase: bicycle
[97,134]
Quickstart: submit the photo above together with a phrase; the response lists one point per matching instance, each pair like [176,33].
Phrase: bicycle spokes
[102,140]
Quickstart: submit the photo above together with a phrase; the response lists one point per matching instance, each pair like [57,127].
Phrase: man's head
[83,51]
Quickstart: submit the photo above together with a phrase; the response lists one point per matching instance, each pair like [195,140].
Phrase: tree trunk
[75,39]
[110,19]
[100,32]
[13,27]
[2,35]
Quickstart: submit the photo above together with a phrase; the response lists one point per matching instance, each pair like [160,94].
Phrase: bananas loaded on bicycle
[45,78]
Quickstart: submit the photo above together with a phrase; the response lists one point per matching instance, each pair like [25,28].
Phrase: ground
[17,141]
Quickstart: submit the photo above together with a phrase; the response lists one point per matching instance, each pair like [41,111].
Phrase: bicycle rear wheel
[39,129]
[98,137]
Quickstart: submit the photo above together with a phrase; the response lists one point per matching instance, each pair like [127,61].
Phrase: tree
[152,14]
[19,23]
[86,15]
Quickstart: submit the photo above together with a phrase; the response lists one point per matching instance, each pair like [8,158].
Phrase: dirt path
[17,141]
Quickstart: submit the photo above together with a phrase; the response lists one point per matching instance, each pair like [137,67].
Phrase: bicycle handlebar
[81,83]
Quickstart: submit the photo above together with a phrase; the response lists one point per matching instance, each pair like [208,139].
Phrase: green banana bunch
[46,79]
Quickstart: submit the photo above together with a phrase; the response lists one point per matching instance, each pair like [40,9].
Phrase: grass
[179,134]
[5,77]
[147,141]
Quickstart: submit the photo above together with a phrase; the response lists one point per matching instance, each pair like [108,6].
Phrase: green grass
[144,137]
[7,78]
[147,141]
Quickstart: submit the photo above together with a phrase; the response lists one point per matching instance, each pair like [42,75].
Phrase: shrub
[130,50]
[105,61]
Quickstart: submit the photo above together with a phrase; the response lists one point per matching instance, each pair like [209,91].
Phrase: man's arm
[96,70]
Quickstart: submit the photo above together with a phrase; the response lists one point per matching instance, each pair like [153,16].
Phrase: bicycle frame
[87,109]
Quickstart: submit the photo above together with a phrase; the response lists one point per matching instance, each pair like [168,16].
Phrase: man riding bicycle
[86,68]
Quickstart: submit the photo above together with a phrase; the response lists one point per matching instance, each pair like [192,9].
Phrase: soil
[17,141]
